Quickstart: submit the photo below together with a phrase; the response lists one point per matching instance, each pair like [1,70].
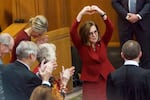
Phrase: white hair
[47,51]
[25,48]
[6,38]
[39,24]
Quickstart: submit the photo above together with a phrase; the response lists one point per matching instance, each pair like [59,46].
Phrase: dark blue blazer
[18,81]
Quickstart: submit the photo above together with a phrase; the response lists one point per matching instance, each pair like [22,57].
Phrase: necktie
[132,6]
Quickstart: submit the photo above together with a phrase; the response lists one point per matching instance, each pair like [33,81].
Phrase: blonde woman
[38,26]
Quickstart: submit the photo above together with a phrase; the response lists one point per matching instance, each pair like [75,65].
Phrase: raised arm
[73,31]
[109,27]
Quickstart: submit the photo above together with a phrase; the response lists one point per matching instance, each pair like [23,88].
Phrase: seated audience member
[6,45]
[42,92]
[47,51]
[38,26]
[129,82]
[18,80]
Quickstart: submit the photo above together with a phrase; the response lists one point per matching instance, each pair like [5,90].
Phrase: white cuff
[46,82]
[139,16]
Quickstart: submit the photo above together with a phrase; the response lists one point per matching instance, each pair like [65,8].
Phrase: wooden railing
[14,28]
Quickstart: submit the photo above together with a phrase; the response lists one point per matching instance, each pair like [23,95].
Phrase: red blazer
[94,63]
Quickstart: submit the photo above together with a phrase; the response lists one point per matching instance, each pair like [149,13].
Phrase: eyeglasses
[91,33]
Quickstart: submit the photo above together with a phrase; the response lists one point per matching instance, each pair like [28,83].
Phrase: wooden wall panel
[53,10]
[5,13]
[28,8]
[58,14]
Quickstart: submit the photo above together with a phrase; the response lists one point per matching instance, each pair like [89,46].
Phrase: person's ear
[122,55]
[140,54]
[32,56]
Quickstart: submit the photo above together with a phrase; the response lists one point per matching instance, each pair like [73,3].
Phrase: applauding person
[47,52]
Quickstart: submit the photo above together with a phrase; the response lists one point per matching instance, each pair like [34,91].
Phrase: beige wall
[5,13]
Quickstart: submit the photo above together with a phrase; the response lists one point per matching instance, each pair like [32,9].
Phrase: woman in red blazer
[92,50]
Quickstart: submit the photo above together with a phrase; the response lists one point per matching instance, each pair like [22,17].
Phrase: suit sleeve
[146,9]
[108,33]
[32,84]
[120,9]
[74,34]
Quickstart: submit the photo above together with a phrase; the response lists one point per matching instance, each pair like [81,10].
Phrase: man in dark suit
[134,20]
[18,80]
[6,45]
[130,81]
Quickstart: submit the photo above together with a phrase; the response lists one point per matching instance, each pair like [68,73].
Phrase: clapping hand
[46,69]
[65,76]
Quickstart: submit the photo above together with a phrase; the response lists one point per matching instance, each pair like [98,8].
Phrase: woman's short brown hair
[85,30]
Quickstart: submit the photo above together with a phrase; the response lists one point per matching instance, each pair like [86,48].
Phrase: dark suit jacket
[18,81]
[2,97]
[129,82]
[142,8]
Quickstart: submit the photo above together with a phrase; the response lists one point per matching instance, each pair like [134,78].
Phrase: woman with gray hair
[47,51]
[38,26]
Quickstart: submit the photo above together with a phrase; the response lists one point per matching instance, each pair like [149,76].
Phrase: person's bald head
[131,49]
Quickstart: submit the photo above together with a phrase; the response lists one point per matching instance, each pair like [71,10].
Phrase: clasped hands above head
[91,10]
